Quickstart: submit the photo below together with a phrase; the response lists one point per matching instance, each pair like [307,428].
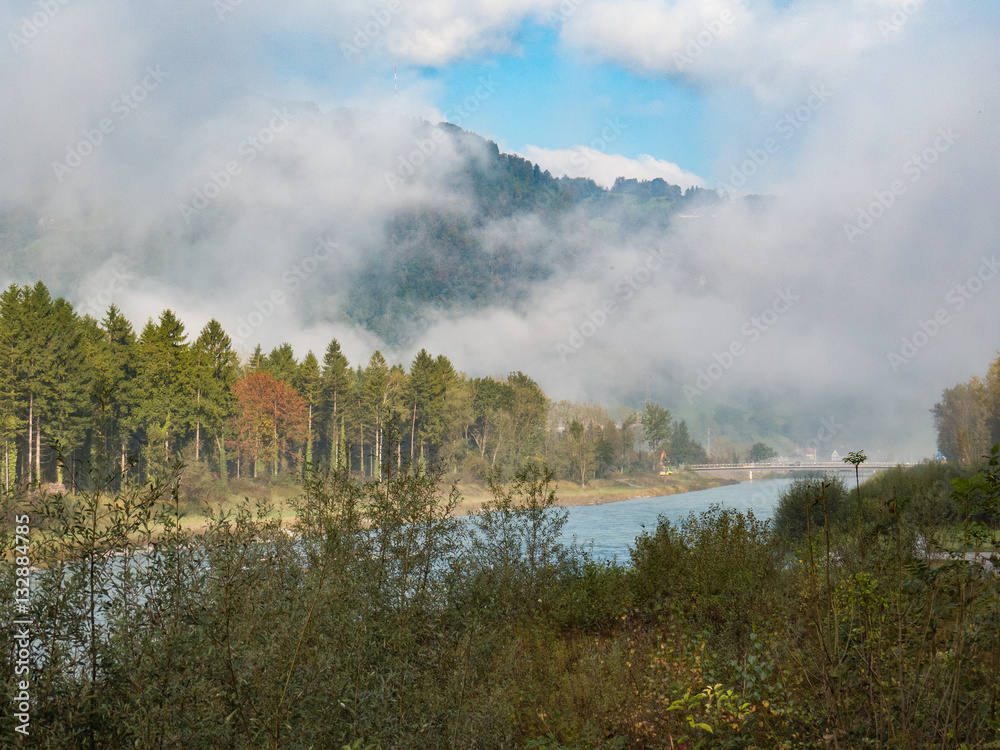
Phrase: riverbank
[602,491]
[568,494]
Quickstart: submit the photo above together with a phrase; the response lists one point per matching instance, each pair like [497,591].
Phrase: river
[613,527]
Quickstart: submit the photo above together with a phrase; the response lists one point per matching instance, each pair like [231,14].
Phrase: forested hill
[450,224]
[448,258]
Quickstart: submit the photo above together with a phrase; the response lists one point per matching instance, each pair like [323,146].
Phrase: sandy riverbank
[601,491]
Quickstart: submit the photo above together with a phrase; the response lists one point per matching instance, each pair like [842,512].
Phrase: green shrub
[789,518]
[725,569]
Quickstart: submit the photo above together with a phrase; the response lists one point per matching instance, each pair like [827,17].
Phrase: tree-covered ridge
[446,247]
[440,258]
[74,390]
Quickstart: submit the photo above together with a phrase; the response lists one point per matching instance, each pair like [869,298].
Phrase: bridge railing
[814,465]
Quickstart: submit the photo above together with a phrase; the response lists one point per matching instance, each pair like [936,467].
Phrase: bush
[724,569]
[789,517]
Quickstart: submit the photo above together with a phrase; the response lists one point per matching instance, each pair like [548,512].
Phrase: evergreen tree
[425,404]
[492,403]
[684,449]
[528,419]
[281,363]
[375,405]
[335,382]
[116,391]
[456,411]
[163,379]
[47,361]
[67,378]
[761,452]
[11,419]
[307,382]
[213,372]
[257,361]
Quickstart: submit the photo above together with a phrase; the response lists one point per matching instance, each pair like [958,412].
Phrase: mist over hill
[751,317]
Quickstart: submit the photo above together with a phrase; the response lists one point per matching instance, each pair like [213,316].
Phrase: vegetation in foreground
[381,620]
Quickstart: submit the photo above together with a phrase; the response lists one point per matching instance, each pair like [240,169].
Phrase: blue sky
[690,84]
[553,98]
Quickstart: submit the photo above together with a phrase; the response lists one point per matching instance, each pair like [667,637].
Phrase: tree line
[75,390]
[967,417]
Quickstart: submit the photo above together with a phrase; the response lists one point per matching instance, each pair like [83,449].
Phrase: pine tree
[214,368]
[164,378]
[375,405]
[308,384]
[335,381]
[116,393]
[456,411]
[47,362]
[281,363]
[11,421]
[684,449]
[68,380]
[425,398]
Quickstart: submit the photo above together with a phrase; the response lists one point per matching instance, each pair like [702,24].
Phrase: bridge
[744,472]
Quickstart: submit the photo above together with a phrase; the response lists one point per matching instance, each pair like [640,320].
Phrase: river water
[613,527]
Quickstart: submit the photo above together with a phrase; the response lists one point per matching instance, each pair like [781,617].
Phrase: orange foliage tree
[270,418]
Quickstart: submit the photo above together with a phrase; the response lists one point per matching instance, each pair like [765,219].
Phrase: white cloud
[768,47]
[604,169]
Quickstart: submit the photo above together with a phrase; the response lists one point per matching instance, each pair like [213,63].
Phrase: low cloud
[604,169]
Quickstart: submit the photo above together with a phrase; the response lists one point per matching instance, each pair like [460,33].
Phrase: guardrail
[799,466]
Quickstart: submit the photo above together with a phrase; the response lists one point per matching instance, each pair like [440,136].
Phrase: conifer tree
[281,363]
[213,372]
[308,385]
[116,392]
[375,404]
[335,382]
[164,377]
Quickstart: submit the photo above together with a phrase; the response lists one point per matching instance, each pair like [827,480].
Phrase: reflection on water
[613,527]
